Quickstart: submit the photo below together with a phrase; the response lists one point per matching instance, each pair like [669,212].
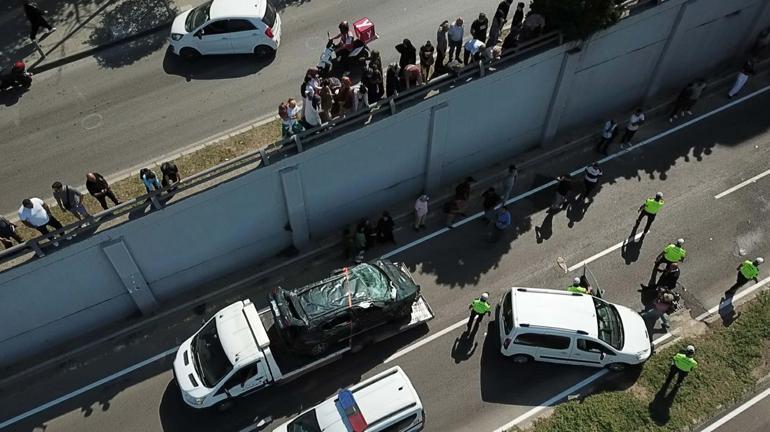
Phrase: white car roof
[235,335]
[237,8]
[554,308]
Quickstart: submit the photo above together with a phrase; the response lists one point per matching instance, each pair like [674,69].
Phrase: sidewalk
[85,28]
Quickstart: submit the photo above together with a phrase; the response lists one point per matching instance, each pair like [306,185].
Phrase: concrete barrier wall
[136,267]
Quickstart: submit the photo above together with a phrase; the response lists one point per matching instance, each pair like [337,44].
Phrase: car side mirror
[602,356]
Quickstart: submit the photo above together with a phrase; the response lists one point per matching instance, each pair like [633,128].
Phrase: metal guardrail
[286,147]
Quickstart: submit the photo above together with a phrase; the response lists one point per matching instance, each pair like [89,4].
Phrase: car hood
[636,338]
[178,25]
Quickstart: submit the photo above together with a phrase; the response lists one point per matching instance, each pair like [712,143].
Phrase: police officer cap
[690,349]
[759,260]
[484,296]
[576,280]
[679,242]
[658,194]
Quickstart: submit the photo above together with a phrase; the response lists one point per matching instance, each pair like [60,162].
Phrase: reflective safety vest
[577,289]
[653,206]
[684,363]
[749,270]
[480,306]
[673,253]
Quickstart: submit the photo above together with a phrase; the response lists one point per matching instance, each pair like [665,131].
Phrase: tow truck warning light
[356,420]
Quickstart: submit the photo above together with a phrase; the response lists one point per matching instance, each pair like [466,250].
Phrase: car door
[545,347]
[246,379]
[591,353]
[214,38]
[337,328]
[369,315]
[243,34]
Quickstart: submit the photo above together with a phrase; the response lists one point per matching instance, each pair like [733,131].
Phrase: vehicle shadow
[283,401]
[214,67]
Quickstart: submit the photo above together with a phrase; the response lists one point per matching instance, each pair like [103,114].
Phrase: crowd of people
[327,97]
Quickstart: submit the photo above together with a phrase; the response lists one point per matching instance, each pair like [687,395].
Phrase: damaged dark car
[354,300]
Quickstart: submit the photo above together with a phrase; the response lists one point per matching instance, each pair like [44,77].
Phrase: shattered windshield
[360,283]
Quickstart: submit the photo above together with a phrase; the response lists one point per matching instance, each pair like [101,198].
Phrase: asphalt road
[86,117]
[468,386]
[751,416]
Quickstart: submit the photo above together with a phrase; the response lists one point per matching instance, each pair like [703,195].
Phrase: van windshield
[197,17]
[609,323]
[307,422]
[209,357]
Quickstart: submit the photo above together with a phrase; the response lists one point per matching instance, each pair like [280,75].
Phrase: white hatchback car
[227,27]
[570,328]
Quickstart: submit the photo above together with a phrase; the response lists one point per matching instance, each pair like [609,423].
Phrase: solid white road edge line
[603,253]
[742,184]
[394,252]
[734,413]
[425,341]
[743,293]
[87,388]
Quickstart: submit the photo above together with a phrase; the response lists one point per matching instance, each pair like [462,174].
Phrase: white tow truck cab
[571,328]
[384,402]
[238,351]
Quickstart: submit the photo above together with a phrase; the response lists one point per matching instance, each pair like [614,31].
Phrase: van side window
[401,425]
[543,341]
[589,346]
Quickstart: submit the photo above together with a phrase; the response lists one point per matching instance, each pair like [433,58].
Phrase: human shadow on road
[631,249]
[11,96]
[576,209]
[660,406]
[465,345]
[727,311]
[214,67]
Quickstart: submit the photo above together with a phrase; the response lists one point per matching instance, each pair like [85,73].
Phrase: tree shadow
[214,67]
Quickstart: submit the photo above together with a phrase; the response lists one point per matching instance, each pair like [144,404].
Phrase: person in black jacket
[392,83]
[99,188]
[36,19]
[504,7]
[479,27]
[385,226]
[408,53]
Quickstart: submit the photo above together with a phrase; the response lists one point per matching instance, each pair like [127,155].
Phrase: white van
[227,27]
[570,328]
[384,402]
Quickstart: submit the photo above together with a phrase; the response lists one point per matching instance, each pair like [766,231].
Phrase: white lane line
[425,341]
[743,184]
[734,413]
[87,388]
[743,293]
[603,253]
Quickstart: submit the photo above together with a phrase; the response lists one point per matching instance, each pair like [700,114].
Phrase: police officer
[683,363]
[577,287]
[649,209]
[479,307]
[747,270]
[673,253]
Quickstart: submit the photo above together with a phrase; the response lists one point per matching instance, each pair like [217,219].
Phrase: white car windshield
[197,17]
[307,422]
[209,358]
[610,325]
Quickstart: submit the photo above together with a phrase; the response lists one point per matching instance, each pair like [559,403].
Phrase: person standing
[687,99]
[479,27]
[35,213]
[8,233]
[649,209]
[463,193]
[509,182]
[99,188]
[577,287]
[69,199]
[420,212]
[479,307]
[385,226]
[442,43]
[495,28]
[490,201]
[591,179]
[149,179]
[408,53]
[563,187]
[375,62]
[170,173]
[36,19]
[668,279]
[609,132]
[634,122]
[327,102]
[426,60]
[504,7]
[743,76]
[518,17]
[502,222]
[455,38]
[672,253]
[392,83]
[747,270]
[681,365]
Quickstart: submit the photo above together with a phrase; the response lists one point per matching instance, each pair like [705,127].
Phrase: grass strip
[730,362]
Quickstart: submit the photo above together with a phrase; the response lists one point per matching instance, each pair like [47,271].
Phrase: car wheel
[319,348]
[521,359]
[617,367]
[263,51]
[188,53]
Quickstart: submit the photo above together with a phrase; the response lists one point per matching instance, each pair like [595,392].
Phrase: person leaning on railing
[8,233]
[100,189]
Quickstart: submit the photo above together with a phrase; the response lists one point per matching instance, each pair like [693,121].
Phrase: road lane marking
[603,253]
[734,413]
[743,293]
[425,341]
[87,388]
[742,184]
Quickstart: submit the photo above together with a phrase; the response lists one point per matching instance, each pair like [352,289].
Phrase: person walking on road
[36,20]
[69,199]
[455,38]
[609,132]
[634,122]
[99,188]
[681,365]
[563,188]
[747,270]
[687,99]
[649,209]
[479,27]
[420,212]
[509,182]
[8,233]
[591,179]
[35,214]
[479,307]
[672,253]
[743,76]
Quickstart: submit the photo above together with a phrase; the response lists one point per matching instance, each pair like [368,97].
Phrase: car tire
[617,367]
[319,348]
[264,51]
[188,53]
[521,359]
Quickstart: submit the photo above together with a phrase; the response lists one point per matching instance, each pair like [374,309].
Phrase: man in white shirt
[591,179]
[636,120]
[608,134]
[35,213]
[455,36]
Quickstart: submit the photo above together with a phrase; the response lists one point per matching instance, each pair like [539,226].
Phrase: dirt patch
[763,369]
